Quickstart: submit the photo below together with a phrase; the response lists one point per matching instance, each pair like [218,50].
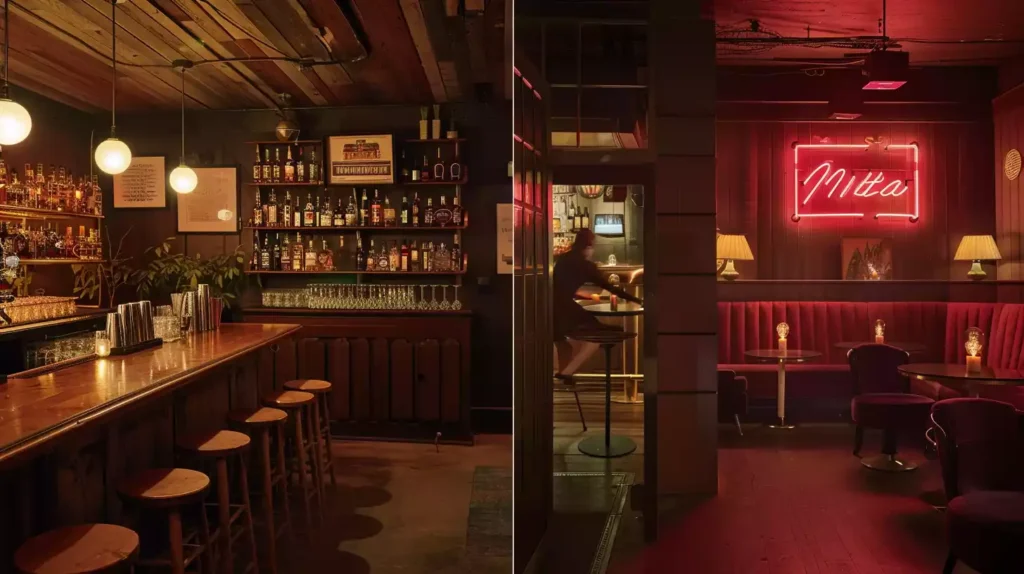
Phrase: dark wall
[1008,115]
[218,139]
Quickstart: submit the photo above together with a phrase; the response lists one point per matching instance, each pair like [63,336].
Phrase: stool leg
[177,546]
[282,470]
[268,498]
[224,516]
[316,461]
[318,447]
[243,479]
[327,435]
[207,560]
[300,448]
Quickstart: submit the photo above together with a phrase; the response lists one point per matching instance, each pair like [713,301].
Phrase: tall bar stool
[304,449]
[260,423]
[321,420]
[171,490]
[79,549]
[221,447]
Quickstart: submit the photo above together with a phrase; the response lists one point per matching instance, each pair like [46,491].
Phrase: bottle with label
[404,257]
[371,258]
[456,264]
[277,166]
[275,263]
[414,171]
[440,170]
[425,170]
[300,168]
[425,254]
[257,167]
[376,213]
[389,213]
[405,210]
[271,218]
[394,257]
[443,215]
[266,175]
[586,218]
[351,214]
[265,255]
[254,261]
[428,215]
[257,212]
[311,258]
[289,167]
[308,215]
[405,168]
[364,211]
[314,167]
[326,215]
[286,254]
[338,217]
[324,258]
[577,218]
[456,211]
[360,255]
[383,259]
[286,221]
[455,170]
[414,257]
[298,253]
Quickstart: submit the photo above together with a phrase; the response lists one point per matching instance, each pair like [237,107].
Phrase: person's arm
[597,278]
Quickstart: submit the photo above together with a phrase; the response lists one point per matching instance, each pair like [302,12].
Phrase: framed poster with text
[357,160]
[142,185]
[506,247]
[213,206]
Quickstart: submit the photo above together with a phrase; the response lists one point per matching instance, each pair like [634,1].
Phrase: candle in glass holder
[615,302]
[783,331]
[102,344]
[879,331]
[973,345]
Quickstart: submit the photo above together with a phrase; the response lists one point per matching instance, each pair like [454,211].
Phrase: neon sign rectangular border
[797,216]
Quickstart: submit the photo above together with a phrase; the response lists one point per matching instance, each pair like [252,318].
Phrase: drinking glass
[456,304]
[423,297]
[433,298]
[444,298]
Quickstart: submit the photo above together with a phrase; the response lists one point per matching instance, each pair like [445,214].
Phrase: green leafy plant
[170,272]
[114,273]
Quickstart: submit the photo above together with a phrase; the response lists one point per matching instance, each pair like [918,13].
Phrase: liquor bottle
[298,253]
[265,255]
[289,167]
[383,259]
[286,254]
[275,263]
[425,254]
[287,219]
[572,215]
[30,179]
[316,213]
[425,170]
[389,213]
[404,254]
[314,167]
[440,170]
[257,167]
[341,250]
[300,169]
[376,214]
[308,215]
[371,258]
[338,217]
[586,218]
[416,210]
[364,211]
[326,215]
[405,210]
[324,257]
[443,215]
[405,168]
[257,212]
[351,214]
[456,211]
[254,261]
[428,215]
[277,166]
[456,254]
[360,255]
[271,218]
[311,258]
[394,258]
[414,257]
[455,168]
[266,175]
[414,172]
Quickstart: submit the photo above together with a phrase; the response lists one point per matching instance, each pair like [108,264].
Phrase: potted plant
[170,272]
[113,274]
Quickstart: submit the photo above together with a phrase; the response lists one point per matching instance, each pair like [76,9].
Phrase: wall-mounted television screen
[608,225]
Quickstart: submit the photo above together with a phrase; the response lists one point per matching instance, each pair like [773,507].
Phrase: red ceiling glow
[854,180]
[884,84]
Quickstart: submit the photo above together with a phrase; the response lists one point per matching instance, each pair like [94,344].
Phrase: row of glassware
[389,297]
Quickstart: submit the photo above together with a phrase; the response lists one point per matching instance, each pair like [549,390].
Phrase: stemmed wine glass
[444,299]
[423,297]
[456,304]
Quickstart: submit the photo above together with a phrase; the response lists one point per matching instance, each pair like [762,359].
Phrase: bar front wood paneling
[396,375]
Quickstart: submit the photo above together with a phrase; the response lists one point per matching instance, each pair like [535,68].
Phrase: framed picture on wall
[357,160]
[213,206]
[866,259]
[143,185]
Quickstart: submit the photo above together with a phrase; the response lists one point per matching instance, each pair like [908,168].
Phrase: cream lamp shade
[977,248]
[732,248]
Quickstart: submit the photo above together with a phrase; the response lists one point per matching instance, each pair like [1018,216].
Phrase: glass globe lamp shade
[15,122]
[183,179]
[113,156]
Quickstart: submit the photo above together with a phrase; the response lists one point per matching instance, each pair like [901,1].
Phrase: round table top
[908,347]
[787,356]
[601,336]
[624,309]
[955,371]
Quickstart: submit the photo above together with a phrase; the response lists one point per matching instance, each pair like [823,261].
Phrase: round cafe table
[606,446]
[630,386]
[912,348]
[955,376]
[782,357]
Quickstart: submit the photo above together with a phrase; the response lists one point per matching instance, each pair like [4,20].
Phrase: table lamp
[731,248]
[977,248]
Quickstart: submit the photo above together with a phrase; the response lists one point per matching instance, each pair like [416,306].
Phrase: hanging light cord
[181,161]
[7,43]
[113,67]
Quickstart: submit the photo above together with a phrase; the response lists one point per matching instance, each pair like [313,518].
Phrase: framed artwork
[866,259]
[506,223]
[143,185]
[213,206]
[357,160]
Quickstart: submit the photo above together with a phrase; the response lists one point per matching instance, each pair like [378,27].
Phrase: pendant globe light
[183,178]
[15,123]
[113,156]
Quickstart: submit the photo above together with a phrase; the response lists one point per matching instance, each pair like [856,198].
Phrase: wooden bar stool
[80,549]
[220,447]
[260,422]
[321,419]
[172,489]
[304,451]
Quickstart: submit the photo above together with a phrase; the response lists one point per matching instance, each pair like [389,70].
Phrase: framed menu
[506,247]
[213,206]
[142,185]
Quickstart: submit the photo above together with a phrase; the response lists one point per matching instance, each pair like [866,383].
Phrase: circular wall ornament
[1011,164]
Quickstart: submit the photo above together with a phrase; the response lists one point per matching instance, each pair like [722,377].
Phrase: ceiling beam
[389,36]
[448,38]
[421,38]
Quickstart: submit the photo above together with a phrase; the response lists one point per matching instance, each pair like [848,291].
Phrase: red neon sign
[856,180]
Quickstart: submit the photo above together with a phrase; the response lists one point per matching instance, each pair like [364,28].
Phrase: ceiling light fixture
[15,121]
[183,178]
[113,156]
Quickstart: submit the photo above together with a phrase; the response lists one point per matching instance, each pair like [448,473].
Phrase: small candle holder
[614,302]
[102,344]
[782,329]
[974,343]
[879,332]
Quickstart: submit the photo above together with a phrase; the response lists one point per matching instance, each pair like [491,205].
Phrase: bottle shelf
[354,228]
[354,272]
[276,142]
[301,184]
[436,141]
[19,212]
[62,261]
[462,181]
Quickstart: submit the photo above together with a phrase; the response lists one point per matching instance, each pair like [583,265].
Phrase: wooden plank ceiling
[377,51]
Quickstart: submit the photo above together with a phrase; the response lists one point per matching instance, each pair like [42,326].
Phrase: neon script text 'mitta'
[866,188]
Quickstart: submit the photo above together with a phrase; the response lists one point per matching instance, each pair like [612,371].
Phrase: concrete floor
[399,509]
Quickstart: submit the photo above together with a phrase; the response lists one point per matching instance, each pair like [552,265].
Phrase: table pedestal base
[888,463]
[782,424]
[617,446]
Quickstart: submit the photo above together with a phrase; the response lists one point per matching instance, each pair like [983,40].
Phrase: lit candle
[783,331]
[102,344]
[615,302]
[973,364]
[879,332]
[973,346]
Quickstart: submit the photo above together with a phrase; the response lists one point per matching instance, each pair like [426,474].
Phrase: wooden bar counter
[67,436]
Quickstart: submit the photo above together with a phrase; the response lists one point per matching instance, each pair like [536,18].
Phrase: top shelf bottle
[288,163]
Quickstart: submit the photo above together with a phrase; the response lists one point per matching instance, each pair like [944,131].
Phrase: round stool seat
[264,416]
[164,486]
[215,444]
[314,386]
[891,410]
[80,549]
[986,530]
[288,399]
